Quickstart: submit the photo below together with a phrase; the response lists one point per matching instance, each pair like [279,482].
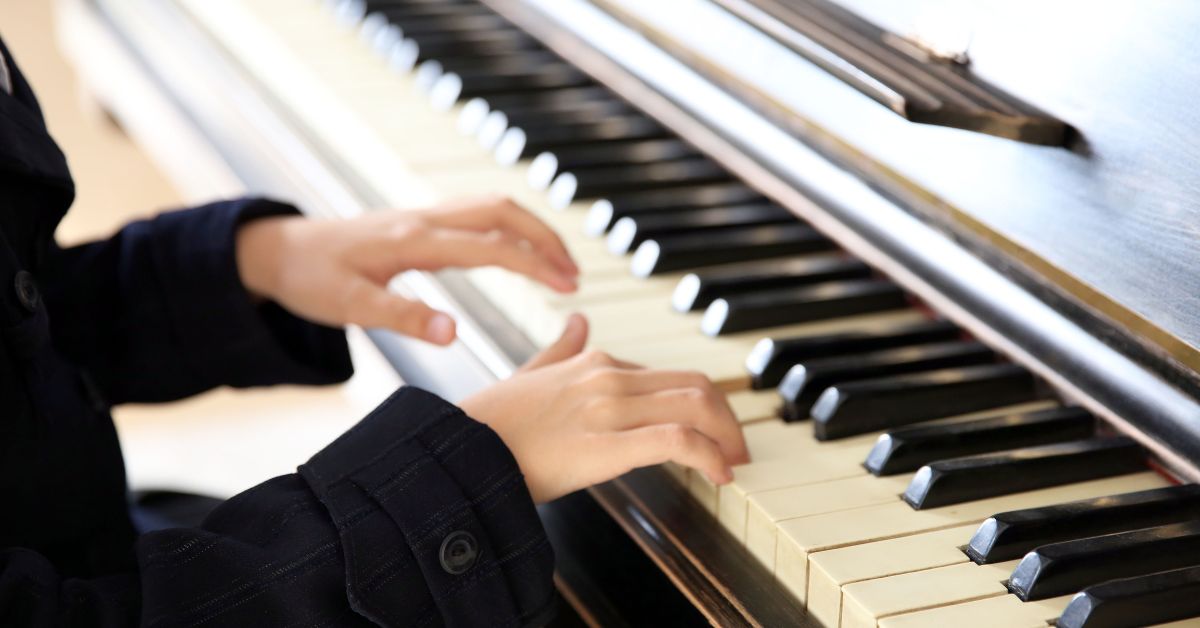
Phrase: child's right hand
[573,418]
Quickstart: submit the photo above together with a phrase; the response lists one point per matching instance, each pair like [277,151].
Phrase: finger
[372,306]
[656,444]
[596,360]
[701,409]
[641,381]
[568,345]
[447,247]
[503,214]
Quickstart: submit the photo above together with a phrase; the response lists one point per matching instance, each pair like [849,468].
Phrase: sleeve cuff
[434,516]
[229,338]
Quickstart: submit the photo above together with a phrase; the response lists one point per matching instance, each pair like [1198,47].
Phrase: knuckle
[494,201]
[699,380]
[601,408]
[694,396]
[676,437]
[607,380]
[602,358]
[410,230]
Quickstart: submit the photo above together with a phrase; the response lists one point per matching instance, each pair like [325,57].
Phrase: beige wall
[115,181]
[221,442]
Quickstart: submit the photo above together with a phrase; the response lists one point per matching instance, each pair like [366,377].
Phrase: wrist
[259,249]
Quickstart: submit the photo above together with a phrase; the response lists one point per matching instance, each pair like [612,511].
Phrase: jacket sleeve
[158,311]
[418,516]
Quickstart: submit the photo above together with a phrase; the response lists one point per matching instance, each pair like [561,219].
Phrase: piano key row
[847,381]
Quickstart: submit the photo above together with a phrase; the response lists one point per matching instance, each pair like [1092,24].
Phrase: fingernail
[440,329]
[725,476]
[568,284]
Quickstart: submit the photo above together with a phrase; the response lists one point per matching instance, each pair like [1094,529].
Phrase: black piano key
[1009,535]
[1152,599]
[604,213]
[771,358]
[596,182]
[471,44]
[519,65]
[880,404]
[629,232]
[398,10]
[559,98]
[697,290]
[739,244]
[413,24]
[497,123]
[518,143]
[453,86]
[806,381]
[476,110]
[417,49]
[908,449]
[550,164]
[969,478]
[559,113]
[1067,567]
[802,304]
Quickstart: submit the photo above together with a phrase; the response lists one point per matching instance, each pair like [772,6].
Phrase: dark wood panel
[916,82]
[604,577]
[1116,220]
[712,568]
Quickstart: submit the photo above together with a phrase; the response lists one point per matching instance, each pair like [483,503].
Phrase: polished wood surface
[709,565]
[1109,226]
[914,77]
[604,577]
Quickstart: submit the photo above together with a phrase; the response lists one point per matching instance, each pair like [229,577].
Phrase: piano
[941,258]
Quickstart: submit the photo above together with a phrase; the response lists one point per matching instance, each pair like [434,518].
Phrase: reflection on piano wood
[904,473]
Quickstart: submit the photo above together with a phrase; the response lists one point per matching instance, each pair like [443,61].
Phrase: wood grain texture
[897,72]
[1107,228]
[1116,220]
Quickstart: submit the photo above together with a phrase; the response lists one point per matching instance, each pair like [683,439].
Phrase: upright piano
[944,257]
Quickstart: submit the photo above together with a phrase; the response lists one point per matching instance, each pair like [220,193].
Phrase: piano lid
[1112,222]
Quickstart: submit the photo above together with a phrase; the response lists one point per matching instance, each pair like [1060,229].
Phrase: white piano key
[1004,611]
[776,496]
[865,603]
[798,538]
[831,570]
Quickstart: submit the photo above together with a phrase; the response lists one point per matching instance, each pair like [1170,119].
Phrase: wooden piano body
[1076,261]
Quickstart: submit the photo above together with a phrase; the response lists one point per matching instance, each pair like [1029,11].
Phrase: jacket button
[27,290]
[459,552]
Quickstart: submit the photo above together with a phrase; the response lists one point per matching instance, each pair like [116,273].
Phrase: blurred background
[224,441]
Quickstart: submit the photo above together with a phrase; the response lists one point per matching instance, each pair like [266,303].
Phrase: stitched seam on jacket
[422,533]
[313,559]
[263,586]
[427,527]
[441,415]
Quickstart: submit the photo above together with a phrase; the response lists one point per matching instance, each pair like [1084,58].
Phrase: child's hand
[336,271]
[574,418]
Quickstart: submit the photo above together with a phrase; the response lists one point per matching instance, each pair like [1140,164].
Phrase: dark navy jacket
[417,516]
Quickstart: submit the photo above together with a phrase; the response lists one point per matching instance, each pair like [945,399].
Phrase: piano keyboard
[903,474]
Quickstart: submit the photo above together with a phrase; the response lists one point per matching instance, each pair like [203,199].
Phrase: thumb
[374,306]
[569,344]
